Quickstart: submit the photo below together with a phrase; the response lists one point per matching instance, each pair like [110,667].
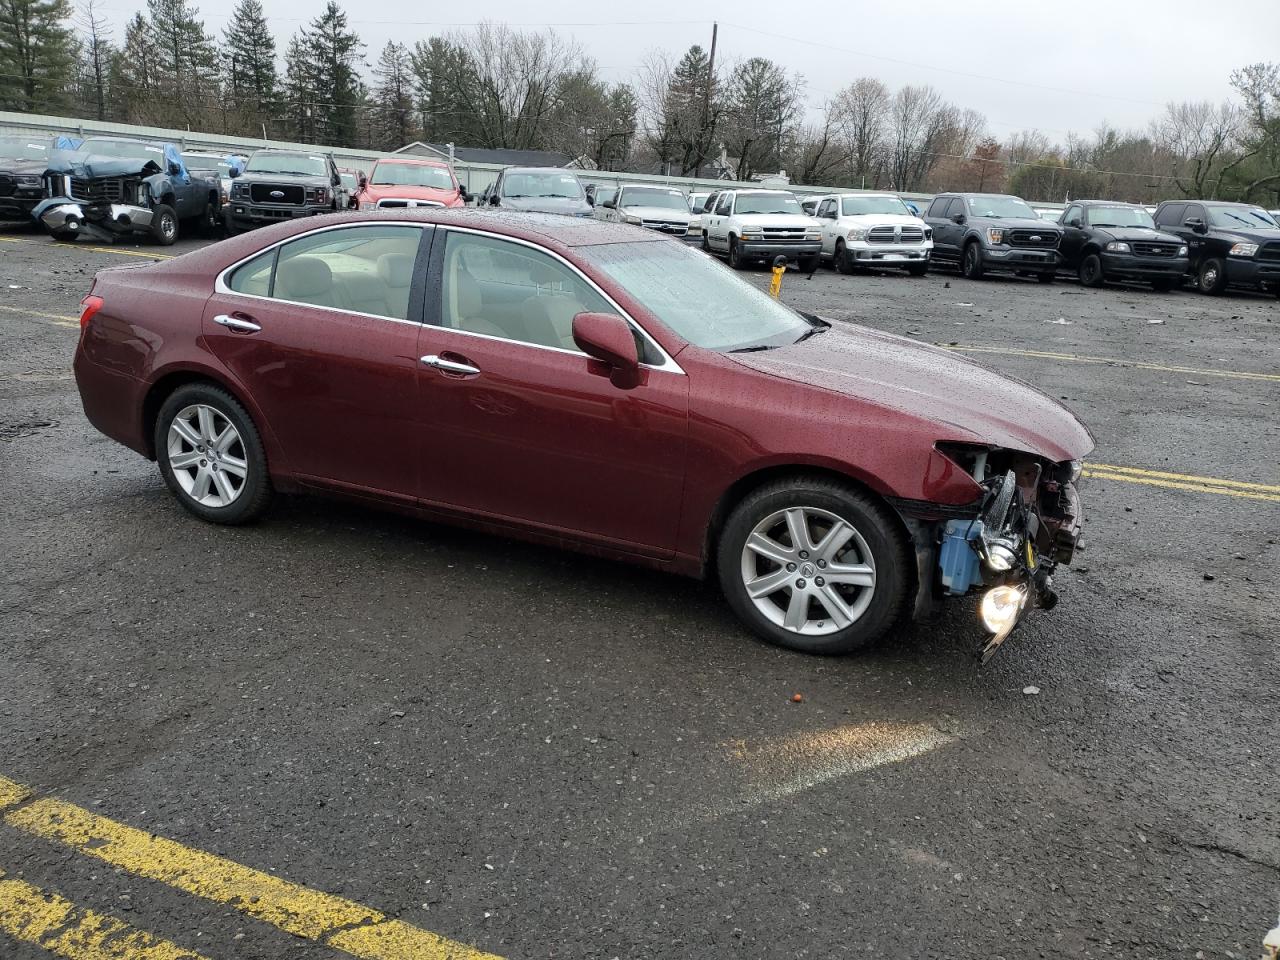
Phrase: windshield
[1001,207]
[411,175]
[856,206]
[128,149]
[531,184]
[1238,217]
[767,203]
[654,197]
[21,148]
[1120,217]
[699,298]
[349,180]
[207,163]
[298,164]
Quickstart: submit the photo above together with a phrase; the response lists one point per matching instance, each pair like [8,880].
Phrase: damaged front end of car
[1027,522]
[100,198]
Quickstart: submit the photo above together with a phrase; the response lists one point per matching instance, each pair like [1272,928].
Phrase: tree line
[686,114]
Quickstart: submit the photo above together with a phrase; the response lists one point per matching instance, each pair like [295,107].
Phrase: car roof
[759,190]
[1105,203]
[416,161]
[539,170]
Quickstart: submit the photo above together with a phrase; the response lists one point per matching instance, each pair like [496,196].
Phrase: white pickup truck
[749,225]
[861,230]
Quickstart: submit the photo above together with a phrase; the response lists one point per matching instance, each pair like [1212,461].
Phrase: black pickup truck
[1107,240]
[280,185]
[22,164]
[116,185]
[1230,244]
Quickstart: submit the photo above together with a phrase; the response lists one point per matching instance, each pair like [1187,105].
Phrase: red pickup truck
[411,182]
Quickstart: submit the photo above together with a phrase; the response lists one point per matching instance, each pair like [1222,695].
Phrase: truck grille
[1047,239]
[895,235]
[784,234]
[8,186]
[262,193]
[388,204]
[1148,249]
[1270,251]
[105,190]
[665,226]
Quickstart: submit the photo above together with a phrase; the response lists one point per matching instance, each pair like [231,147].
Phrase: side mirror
[175,169]
[462,192]
[234,172]
[1074,222]
[829,215]
[493,199]
[958,218]
[609,205]
[607,338]
[1197,225]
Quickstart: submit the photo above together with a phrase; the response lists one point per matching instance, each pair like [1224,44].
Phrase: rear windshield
[296,164]
[1240,218]
[411,175]
[767,203]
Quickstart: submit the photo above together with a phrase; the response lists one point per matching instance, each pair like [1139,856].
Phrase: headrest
[470,303]
[396,269]
[303,277]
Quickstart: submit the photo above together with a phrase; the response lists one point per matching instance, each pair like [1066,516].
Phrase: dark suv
[1106,240]
[22,164]
[1230,244]
[988,231]
[281,185]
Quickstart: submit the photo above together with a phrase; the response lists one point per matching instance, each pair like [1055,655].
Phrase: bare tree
[920,124]
[1198,135]
[861,110]
[96,51]
[819,158]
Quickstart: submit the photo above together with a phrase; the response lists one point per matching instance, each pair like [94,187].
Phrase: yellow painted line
[84,246]
[301,911]
[1177,485]
[12,793]
[1113,361]
[1186,478]
[56,925]
[54,318]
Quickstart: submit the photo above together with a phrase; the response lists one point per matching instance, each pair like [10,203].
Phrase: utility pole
[706,98]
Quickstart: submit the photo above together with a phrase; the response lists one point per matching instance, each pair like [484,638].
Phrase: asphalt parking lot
[341,732]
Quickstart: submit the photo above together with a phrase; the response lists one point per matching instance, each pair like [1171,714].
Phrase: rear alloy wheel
[735,256]
[813,565]
[1212,278]
[843,264]
[971,263]
[211,456]
[164,225]
[1091,271]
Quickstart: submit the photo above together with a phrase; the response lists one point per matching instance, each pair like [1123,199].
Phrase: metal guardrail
[474,176]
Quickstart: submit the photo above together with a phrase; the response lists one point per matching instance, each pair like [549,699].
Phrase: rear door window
[724,205]
[1170,215]
[938,208]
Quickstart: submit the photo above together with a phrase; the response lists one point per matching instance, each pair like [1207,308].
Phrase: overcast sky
[1053,65]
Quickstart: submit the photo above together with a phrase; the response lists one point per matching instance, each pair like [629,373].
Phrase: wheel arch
[171,380]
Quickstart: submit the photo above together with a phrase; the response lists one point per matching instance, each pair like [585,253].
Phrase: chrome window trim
[220,286]
[668,362]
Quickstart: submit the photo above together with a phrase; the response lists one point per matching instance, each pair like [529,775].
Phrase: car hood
[302,179]
[1251,234]
[779,220]
[656,213]
[569,206]
[377,191]
[1031,223]
[966,400]
[20,166]
[1140,234]
[881,220]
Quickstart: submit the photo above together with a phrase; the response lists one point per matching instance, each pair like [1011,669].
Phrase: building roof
[499,156]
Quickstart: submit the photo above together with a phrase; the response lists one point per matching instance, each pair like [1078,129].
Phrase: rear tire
[1212,278]
[193,454]
[971,261]
[874,549]
[1090,271]
[210,221]
[164,225]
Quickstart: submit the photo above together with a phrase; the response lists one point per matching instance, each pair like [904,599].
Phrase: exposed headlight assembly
[995,236]
[1118,246]
[1243,249]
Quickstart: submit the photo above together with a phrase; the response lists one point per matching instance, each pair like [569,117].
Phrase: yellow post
[779,268]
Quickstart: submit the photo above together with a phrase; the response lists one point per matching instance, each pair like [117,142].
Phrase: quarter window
[366,269]
[507,290]
[254,278]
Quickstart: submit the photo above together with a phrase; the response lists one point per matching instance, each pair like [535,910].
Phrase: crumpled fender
[48,202]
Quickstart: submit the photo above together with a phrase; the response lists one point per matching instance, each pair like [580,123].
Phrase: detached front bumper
[1129,265]
[98,220]
[768,249]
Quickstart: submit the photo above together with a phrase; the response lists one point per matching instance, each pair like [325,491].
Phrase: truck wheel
[971,264]
[706,244]
[164,225]
[735,255]
[210,220]
[64,236]
[809,264]
[918,269]
[1213,277]
[843,264]
[1091,271]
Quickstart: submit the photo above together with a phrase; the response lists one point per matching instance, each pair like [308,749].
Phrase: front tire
[809,264]
[814,565]
[918,269]
[64,236]
[843,263]
[210,455]
[164,225]
[1090,271]
[971,263]
[1212,278]
[735,255]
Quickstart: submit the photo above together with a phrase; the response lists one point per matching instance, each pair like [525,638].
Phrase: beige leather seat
[470,308]
[308,280]
[395,270]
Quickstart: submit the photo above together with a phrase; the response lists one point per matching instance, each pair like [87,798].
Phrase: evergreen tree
[249,64]
[96,54]
[444,78]
[37,56]
[187,61]
[336,53]
[300,88]
[393,98]
[133,81]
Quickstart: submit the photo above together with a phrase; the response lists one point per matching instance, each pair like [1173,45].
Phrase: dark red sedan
[592,385]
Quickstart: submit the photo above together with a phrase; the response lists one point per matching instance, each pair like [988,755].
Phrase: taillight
[88,307]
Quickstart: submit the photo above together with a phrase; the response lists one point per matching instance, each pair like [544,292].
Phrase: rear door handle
[237,323]
[449,366]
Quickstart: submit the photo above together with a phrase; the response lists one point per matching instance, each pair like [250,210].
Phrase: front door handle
[449,366]
[237,323]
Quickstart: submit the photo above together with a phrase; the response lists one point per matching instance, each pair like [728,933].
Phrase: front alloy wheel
[814,565]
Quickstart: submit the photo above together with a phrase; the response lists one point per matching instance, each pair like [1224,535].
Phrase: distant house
[499,156]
